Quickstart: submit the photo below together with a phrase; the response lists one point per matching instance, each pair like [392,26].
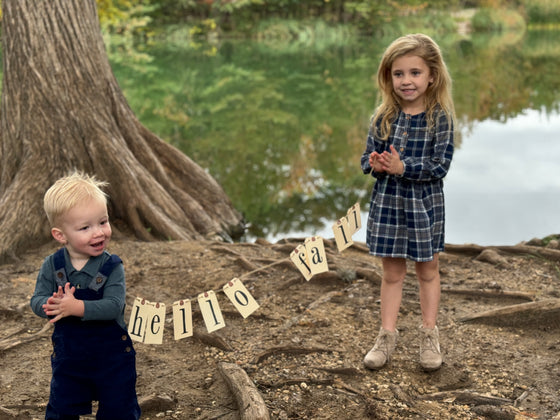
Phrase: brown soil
[303,348]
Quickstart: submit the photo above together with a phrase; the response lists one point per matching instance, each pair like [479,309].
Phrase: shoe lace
[429,343]
[382,343]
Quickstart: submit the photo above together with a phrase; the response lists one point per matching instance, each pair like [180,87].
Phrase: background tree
[62,109]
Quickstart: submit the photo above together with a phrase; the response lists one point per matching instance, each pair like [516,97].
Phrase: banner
[147,319]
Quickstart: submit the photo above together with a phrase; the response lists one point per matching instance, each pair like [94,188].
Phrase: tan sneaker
[382,350]
[430,353]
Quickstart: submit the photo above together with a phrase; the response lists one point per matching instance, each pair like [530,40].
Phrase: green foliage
[123,23]
[546,240]
[125,16]
[315,30]
[245,16]
[541,12]
[431,22]
[488,20]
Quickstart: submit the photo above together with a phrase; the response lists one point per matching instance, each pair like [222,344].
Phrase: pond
[282,127]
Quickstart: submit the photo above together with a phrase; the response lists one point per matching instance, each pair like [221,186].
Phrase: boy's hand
[61,304]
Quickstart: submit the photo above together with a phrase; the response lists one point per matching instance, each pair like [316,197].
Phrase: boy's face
[84,229]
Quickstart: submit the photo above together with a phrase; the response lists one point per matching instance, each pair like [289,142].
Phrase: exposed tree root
[492,293]
[249,401]
[7,412]
[9,343]
[212,340]
[474,250]
[290,350]
[467,397]
[544,313]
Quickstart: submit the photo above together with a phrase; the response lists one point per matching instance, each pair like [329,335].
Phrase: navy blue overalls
[91,360]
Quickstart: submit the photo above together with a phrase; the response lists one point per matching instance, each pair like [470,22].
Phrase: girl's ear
[58,235]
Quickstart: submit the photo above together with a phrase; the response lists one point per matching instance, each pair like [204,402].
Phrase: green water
[282,126]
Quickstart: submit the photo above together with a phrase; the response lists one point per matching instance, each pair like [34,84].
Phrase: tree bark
[63,110]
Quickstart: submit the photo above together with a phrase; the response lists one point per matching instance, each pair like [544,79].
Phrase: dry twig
[16,341]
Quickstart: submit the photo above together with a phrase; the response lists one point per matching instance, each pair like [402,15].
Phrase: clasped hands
[387,162]
[63,303]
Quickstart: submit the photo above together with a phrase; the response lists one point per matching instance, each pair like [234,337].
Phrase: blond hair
[438,94]
[70,190]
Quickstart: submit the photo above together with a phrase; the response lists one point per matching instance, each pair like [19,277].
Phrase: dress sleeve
[372,145]
[436,159]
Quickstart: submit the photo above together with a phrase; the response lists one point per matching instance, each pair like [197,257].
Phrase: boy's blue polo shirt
[111,306]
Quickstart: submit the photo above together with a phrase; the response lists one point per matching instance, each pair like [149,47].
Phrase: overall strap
[59,271]
[106,269]
[97,282]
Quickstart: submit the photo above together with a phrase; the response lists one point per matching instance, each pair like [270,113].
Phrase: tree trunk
[62,109]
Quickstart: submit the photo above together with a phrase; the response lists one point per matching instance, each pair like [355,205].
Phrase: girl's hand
[374,162]
[391,162]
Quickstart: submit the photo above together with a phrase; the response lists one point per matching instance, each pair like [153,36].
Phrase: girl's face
[85,230]
[411,77]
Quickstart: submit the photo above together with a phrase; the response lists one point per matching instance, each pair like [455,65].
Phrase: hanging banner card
[316,256]
[243,301]
[342,234]
[182,319]
[299,258]
[211,311]
[354,218]
[138,319]
[156,322]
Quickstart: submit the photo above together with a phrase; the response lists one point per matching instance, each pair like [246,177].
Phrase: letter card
[299,258]
[316,256]
[156,323]
[138,319]
[211,311]
[342,234]
[182,319]
[244,302]
[354,218]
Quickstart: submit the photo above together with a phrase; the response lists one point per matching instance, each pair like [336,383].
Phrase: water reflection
[504,184]
[282,129]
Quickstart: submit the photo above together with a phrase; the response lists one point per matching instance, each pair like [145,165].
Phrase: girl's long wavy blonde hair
[437,95]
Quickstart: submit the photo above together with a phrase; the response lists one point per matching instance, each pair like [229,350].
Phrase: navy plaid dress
[407,213]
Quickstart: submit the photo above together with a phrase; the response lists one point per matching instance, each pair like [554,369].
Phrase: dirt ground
[303,348]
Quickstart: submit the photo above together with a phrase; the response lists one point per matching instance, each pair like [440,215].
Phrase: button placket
[404,139]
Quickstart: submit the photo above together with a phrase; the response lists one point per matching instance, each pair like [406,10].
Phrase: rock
[157,403]
[491,256]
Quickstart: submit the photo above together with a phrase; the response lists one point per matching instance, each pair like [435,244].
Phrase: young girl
[409,150]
